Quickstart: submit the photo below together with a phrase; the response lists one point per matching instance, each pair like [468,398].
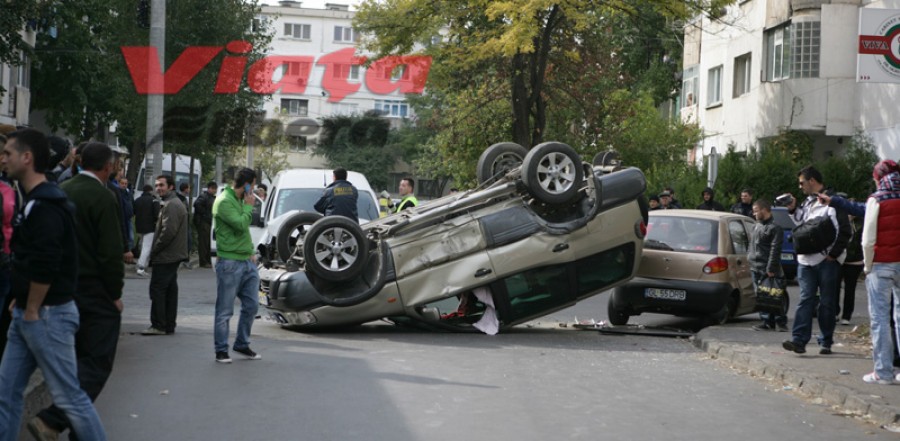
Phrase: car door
[740,242]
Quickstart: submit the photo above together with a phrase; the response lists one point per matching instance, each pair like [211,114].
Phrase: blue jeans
[235,278]
[47,343]
[768,317]
[819,280]
[882,284]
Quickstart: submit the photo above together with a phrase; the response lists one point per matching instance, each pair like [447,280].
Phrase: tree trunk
[136,158]
[521,105]
[539,73]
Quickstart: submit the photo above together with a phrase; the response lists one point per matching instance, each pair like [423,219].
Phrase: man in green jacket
[236,271]
[170,248]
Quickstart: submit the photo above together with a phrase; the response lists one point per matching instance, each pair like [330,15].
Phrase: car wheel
[499,159]
[726,313]
[335,249]
[617,316]
[289,240]
[552,172]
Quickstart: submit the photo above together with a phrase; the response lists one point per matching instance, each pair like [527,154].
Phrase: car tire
[553,173]
[499,159]
[328,237]
[727,312]
[617,316]
[290,231]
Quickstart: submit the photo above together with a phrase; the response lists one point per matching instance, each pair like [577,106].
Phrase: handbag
[772,295]
[813,236]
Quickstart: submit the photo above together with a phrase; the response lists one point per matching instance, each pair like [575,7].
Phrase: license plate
[787,256]
[665,294]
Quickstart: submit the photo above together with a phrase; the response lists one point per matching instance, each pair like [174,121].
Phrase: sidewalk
[834,379]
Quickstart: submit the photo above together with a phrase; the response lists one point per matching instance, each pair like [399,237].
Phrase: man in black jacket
[709,201]
[339,198]
[765,259]
[44,275]
[745,205]
[101,278]
[146,210]
[203,221]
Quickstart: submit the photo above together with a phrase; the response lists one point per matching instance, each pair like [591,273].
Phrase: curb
[37,397]
[803,383]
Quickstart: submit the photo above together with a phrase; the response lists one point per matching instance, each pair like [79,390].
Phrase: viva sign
[148,77]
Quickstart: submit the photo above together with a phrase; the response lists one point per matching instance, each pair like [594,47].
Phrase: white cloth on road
[489,324]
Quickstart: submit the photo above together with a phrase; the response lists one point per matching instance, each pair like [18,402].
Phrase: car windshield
[783,219]
[305,198]
[683,234]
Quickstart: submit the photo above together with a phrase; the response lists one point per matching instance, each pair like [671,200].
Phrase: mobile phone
[247,188]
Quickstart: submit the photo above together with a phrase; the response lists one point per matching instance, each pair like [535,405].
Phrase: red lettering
[335,80]
[874,44]
[293,81]
[148,77]
[232,70]
[412,80]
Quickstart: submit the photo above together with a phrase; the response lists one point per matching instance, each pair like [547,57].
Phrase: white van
[298,190]
[182,174]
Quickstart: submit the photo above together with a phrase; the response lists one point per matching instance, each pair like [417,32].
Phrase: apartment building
[16,80]
[764,66]
[316,33]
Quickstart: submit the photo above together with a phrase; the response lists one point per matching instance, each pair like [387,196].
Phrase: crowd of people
[68,225]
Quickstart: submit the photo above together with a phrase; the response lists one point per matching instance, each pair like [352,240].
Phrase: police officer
[339,198]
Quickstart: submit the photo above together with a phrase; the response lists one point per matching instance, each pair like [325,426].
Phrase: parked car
[788,256]
[694,264]
[532,239]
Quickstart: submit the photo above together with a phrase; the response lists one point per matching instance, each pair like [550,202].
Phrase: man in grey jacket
[169,250]
[765,259]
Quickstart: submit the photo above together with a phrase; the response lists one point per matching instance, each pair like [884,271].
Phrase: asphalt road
[378,382]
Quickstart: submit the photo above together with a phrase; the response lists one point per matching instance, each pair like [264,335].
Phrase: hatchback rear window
[783,219]
[682,234]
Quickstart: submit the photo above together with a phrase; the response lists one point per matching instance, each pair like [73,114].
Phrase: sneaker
[762,327]
[781,328]
[141,272]
[795,347]
[153,331]
[845,322]
[247,352]
[41,431]
[222,357]
[872,378]
[825,350]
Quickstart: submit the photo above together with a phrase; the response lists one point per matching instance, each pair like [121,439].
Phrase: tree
[16,16]
[359,143]
[521,42]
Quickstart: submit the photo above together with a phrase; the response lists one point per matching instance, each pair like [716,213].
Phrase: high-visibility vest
[409,201]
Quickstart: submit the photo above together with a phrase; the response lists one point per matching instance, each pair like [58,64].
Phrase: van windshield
[305,198]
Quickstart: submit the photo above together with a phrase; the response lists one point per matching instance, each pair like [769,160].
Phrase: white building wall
[16,100]
[831,108]
[322,24]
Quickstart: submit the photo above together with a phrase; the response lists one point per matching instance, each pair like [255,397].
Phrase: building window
[297,30]
[344,109]
[392,108]
[742,74]
[294,107]
[778,53]
[345,71]
[344,34]
[689,86]
[297,143]
[714,86]
[23,77]
[805,49]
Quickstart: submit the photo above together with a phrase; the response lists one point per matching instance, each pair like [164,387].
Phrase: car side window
[739,239]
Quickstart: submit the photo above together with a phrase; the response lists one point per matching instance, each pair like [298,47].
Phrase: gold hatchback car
[694,264]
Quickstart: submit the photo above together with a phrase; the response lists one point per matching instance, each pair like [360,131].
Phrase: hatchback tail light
[716,265]
[640,229]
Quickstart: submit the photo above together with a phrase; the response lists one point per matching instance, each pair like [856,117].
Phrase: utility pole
[155,102]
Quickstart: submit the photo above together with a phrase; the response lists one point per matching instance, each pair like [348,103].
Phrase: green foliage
[13,20]
[771,170]
[359,143]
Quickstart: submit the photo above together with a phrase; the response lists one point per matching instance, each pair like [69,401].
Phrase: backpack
[814,236]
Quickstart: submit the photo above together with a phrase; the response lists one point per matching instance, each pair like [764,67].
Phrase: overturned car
[542,231]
